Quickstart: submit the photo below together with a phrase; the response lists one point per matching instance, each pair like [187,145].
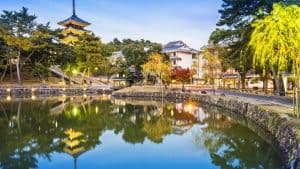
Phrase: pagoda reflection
[74,144]
[74,126]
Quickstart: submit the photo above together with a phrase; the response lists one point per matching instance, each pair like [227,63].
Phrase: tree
[211,66]
[88,54]
[157,66]
[137,52]
[21,37]
[238,17]
[182,75]
[275,41]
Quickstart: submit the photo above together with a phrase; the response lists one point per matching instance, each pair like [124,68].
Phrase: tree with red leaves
[182,75]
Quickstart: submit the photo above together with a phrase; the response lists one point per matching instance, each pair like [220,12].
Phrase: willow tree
[275,42]
[157,66]
[235,31]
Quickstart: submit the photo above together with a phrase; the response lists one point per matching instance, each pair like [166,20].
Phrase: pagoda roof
[74,19]
[73,31]
[70,39]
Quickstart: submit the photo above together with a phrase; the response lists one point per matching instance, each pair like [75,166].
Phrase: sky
[160,21]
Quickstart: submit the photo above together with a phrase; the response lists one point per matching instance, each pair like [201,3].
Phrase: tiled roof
[74,18]
[178,46]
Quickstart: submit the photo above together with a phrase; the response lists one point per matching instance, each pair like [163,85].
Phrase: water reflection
[31,130]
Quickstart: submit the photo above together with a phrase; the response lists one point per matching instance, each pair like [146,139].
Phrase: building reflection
[74,126]
[74,144]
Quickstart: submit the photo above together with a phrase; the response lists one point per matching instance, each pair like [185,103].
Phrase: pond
[103,132]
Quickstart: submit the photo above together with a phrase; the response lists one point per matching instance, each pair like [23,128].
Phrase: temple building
[74,27]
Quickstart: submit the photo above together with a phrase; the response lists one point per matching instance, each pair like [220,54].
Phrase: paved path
[269,99]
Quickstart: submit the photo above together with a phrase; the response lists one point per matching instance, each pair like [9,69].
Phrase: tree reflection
[156,128]
[233,146]
[31,129]
[72,126]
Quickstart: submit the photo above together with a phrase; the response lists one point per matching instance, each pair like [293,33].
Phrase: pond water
[102,132]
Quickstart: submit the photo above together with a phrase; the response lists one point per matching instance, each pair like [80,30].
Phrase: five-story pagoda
[74,27]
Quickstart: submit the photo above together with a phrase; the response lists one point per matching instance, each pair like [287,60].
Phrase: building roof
[72,30]
[178,46]
[75,20]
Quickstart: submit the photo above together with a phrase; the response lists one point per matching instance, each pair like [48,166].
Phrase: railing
[77,80]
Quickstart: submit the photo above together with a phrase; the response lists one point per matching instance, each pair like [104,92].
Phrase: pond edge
[284,129]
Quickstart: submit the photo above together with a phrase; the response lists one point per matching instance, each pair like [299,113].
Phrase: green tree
[275,41]
[137,52]
[156,65]
[238,17]
[88,54]
[211,66]
[21,37]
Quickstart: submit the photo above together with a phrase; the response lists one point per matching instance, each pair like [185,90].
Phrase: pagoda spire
[74,27]
[74,12]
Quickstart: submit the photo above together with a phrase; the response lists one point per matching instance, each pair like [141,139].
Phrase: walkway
[280,100]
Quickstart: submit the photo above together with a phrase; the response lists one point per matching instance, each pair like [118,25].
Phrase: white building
[118,55]
[183,56]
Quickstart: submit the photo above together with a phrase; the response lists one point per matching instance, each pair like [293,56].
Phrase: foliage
[157,128]
[21,35]
[35,130]
[275,39]
[275,42]
[212,65]
[182,75]
[157,66]
[137,52]
[88,53]
[238,17]
[26,45]
[29,45]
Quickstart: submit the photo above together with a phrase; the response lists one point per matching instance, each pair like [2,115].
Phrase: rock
[203,92]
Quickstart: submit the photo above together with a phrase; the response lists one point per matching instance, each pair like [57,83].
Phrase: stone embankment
[24,91]
[282,126]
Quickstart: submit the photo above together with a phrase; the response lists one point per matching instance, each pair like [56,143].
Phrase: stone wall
[283,129]
[24,92]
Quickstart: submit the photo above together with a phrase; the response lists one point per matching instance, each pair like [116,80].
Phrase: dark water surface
[102,132]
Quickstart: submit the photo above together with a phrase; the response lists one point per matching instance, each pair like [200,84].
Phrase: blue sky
[157,20]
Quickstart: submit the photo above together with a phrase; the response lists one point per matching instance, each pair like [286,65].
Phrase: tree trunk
[297,92]
[243,81]
[265,84]
[10,72]
[28,57]
[18,69]
[4,73]
[297,104]
[18,117]
[278,88]
[83,74]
